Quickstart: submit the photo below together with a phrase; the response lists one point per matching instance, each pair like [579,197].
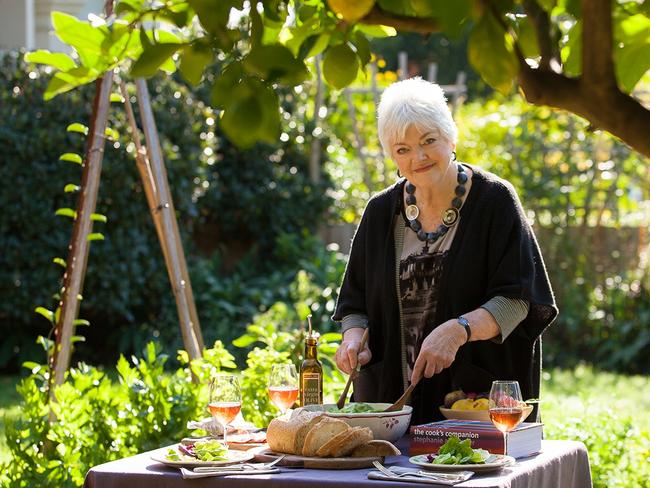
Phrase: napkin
[189,474]
[447,479]
[214,428]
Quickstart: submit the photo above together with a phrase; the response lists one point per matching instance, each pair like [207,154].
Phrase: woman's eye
[402,150]
[430,140]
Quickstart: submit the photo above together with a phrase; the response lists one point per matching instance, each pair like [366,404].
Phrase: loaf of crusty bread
[321,433]
[375,448]
[288,435]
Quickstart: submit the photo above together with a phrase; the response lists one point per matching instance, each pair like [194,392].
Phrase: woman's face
[423,157]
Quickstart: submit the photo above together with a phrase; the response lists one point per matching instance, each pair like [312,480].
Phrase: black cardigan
[494,253]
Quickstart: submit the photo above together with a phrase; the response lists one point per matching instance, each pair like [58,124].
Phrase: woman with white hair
[444,270]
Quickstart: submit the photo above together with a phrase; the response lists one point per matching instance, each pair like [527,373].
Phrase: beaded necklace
[449,217]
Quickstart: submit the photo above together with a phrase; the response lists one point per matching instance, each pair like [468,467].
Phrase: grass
[609,412]
[9,410]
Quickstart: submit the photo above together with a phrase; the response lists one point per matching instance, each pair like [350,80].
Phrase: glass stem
[505,443]
[225,434]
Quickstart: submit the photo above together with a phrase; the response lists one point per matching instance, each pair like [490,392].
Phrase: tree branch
[542,24]
[378,16]
[604,107]
[597,43]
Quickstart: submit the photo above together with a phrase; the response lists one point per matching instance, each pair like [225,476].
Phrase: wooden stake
[78,255]
[179,277]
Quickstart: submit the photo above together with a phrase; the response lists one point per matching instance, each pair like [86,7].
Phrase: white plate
[233,458]
[494,462]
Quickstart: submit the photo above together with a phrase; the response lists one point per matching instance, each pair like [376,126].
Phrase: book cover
[524,440]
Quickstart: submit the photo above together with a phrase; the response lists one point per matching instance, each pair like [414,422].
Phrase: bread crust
[375,448]
[322,432]
[283,435]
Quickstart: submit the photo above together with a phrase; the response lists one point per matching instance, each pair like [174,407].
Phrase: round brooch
[450,216]
[412,212]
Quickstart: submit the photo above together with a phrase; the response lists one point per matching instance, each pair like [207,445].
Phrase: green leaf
[527,37]
[340,66]
[86,39]
[315,46]
[363,48]
[97,217]
[64,81]
[71,188]
[79,322]
[77,127]
[633,61]
[225,83]
[244,341]
[378,31]
[193,61]
[275,62]
[60,261]
[111,134]
[56,60]
[490,52]
[56,86]
[152,58]
[125,6]
[72,157]
[240,119]
[571,53]
[116,97]
[48,314]
[77,338]
[257,28]
[95,236]
[66,212]
[451,15]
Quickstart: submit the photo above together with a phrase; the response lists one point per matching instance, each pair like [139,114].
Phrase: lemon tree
[583,56]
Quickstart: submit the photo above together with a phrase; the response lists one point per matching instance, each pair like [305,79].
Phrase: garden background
[251,222]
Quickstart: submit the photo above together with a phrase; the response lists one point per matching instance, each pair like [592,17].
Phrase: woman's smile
[424,169]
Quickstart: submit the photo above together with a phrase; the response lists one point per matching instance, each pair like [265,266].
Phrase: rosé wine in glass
[283,386]
[506,408]
[225,400]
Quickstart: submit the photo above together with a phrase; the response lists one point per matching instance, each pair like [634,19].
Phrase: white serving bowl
[388,426]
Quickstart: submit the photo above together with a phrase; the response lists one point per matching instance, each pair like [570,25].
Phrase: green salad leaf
[210,450]
[354,407]
[455,451]
[173,455]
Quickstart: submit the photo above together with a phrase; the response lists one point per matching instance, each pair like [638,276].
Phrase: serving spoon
[353,373]
[401,401]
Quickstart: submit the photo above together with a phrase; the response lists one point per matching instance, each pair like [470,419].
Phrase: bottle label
[311,385]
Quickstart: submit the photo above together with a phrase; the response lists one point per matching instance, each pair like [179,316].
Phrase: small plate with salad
[455,455]
[204,452]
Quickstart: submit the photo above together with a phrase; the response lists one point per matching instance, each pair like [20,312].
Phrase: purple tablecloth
[562,464]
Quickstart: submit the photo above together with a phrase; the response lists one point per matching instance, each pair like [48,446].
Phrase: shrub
[233,207]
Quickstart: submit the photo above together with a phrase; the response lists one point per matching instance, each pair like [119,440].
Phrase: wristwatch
[465,323]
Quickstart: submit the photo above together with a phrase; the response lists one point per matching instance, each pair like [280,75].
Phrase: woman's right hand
[348,354]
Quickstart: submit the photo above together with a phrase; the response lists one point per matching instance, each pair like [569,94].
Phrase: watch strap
[465,324]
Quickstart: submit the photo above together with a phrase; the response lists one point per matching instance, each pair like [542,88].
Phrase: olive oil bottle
[311,372]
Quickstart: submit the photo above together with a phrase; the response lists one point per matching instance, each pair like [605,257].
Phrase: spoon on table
[401,401]
[353,373]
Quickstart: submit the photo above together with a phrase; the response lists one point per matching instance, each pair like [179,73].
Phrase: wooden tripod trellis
[152,171]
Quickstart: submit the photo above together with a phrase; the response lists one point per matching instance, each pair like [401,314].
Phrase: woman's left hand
[438,350]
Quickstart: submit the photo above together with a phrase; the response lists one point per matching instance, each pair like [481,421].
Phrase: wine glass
[283,386]
[225,400]
[506,407]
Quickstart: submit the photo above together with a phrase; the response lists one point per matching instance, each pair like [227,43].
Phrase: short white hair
[413,102]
